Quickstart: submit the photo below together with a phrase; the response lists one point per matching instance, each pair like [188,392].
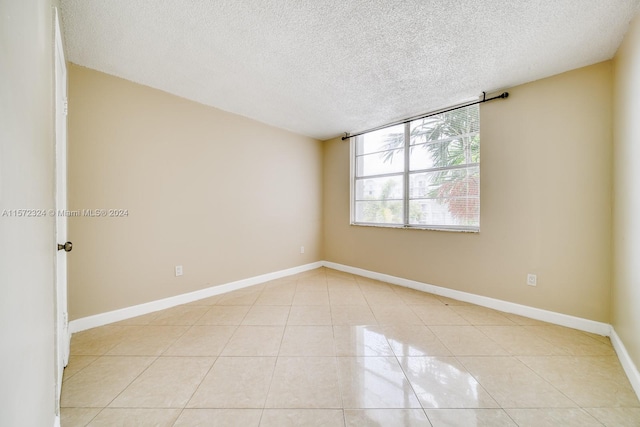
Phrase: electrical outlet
[178,270]
[532,279]
[301,249]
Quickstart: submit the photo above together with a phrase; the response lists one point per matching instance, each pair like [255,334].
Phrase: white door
[61,321]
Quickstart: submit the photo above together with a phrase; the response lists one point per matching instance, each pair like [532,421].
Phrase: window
[421,174]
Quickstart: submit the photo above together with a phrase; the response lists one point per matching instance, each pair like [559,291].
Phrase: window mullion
[407,157]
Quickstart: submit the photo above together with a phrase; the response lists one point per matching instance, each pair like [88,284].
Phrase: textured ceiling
[324,67]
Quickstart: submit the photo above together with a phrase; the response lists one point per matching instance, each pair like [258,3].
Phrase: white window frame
[406,189]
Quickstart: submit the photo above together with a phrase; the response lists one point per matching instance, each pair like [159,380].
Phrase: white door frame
[62,341]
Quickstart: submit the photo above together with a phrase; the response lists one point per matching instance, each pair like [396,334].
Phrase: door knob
[67,246]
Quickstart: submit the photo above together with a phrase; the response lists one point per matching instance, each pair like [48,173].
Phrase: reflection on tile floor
[333,349]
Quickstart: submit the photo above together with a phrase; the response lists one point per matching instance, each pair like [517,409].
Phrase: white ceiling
[323,67]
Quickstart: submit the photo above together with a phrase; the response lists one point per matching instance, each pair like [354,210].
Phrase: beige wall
[626,271]
[27,245]
[545,205]
[222,195]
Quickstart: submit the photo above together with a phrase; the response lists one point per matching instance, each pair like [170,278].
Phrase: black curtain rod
[401,122]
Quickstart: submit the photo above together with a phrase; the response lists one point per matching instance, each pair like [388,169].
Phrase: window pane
[380,163]
[449,197]
[463,121]
[390,187]
[438,212]
[450,152]
[380,212]
[383,139]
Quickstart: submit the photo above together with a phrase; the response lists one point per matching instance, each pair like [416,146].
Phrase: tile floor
[326,348]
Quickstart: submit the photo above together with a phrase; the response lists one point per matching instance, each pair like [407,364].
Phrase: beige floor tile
[346,283]
[414,340]
[552,418]
[572,341]
[99,383]
[286,284]
[224,315]
[395,315]
[145,319]
[337,274]
[443,382]
[367,284]
[524,321]
[467,341]
[346,297]
[590,381]
[77,417]
[135,417]
[476,315]
[350,287]
[147,340]
[519,341]
[254,341]
[219,418]
[451,302]
[438,315]
[267,315]
[469,417]
[312,284]
[77,364]
[235,382]
[603,339]
[310,315]
[352,315]
[96,341]
[168,383]
[384,299]
[513,385]
[180,315]
[302,417]
[342,282]
[360,341]
[307,341]
[310,297]
[305,334]
[385,417]
[305,382]
[201,340]
[414,297]
[241,297]
[618,417]
[374,382]
[375,295]
[276,297]
[207,301]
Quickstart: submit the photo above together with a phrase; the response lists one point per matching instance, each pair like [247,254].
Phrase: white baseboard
[150,307]
[496,304]
[625,360]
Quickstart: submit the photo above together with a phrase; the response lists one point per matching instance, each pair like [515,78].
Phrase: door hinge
[65,319]
[66,106]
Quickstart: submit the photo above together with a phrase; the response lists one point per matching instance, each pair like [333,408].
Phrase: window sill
[415,227]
